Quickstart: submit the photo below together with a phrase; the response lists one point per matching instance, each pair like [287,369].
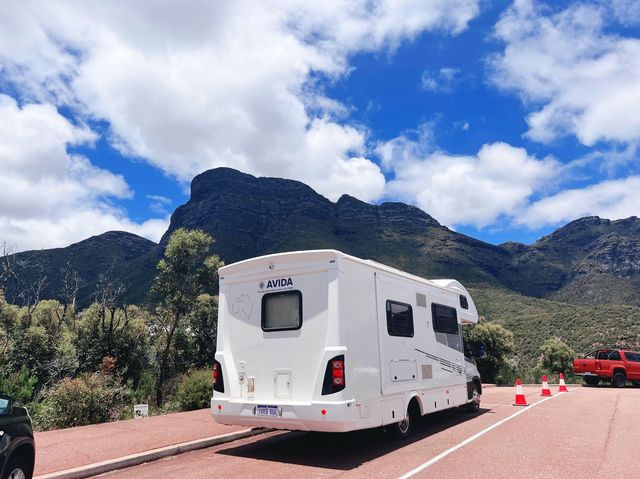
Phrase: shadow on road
[343,451]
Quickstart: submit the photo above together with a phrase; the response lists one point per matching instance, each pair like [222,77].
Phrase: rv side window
[464,304]
[445,319]
[399,319]
[282,311]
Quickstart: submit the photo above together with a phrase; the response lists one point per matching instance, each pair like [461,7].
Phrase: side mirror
[476,350]
[6,405]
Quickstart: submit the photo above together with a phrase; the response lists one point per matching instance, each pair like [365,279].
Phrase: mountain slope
[251,216]
[116,254]
[589,261]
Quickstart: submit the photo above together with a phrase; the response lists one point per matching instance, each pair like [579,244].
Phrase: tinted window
[445,319]
[282,311]
[4,405]
[614,356]
[464,304]
[399,319]
[635,357]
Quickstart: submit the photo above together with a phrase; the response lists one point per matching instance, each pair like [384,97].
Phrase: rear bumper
[339,416]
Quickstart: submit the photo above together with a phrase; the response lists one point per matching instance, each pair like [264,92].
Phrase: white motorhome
[323,341]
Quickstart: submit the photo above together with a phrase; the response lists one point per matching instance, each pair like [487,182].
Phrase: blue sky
[502,119]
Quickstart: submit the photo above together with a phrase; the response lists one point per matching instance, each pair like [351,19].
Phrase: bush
[500,345]
[19,385]
[556,356]
[195,390]
[89,399]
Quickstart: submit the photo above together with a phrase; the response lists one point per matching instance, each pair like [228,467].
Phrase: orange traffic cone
[545,386]
[520,399]
[563,386]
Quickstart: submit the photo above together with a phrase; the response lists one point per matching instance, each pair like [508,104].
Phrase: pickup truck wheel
[591,380]
[17,468]
[619,380]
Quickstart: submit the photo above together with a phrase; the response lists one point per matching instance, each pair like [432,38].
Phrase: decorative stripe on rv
[443,362]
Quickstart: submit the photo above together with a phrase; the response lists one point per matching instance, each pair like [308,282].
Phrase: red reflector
[215,373]
[324,411]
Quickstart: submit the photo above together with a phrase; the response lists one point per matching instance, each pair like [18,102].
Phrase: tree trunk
[165,359]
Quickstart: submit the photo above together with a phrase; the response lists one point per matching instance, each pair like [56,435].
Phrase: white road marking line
[444,454]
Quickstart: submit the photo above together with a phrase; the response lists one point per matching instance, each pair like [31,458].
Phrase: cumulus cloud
[498,182]
[193,85]
[612,199]
[49,197]
[576,78]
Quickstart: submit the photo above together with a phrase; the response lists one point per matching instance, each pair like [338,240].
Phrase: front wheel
[474,405]
[17,468]
[619,380]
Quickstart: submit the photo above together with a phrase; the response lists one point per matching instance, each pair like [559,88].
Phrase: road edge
[131,460]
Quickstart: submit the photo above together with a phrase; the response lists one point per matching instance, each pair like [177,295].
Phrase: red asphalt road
[79,446]
[586,433]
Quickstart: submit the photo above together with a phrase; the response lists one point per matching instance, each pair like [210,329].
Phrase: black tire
[619,379]
[474,405]
[17,468]
[591,380]
[636,384]
[402,430]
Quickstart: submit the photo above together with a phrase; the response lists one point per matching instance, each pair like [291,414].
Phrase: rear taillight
[218,380]
[334,379]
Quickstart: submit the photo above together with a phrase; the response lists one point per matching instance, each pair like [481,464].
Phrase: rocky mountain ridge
[588,261]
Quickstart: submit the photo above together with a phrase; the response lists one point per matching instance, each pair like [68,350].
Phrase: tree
[71,284]
[202,323]
[184,273]
[556,356]
[499,345]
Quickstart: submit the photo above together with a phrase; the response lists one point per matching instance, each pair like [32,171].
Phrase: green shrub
[556,356]
[88,399]
[195,390]
[19,385]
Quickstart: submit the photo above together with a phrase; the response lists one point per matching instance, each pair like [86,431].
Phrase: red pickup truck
[611,365]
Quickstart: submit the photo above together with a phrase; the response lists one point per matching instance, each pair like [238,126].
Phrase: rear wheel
[619,379]
[591,380]
[402,430]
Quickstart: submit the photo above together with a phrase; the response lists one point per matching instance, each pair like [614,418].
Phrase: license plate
[267,411]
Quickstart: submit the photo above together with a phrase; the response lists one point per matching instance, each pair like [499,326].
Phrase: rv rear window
[282,311]
[445,319]
[399,319]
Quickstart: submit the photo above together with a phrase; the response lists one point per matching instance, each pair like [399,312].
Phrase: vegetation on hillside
[534,321]
[79,367]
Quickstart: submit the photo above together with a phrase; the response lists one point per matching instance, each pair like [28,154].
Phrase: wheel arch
[415,397]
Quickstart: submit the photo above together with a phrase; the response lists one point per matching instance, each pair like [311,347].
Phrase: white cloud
[576,78]
[442,80]
[613,199]
[193,85]
[626,12]
[49,197]
[477,190]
